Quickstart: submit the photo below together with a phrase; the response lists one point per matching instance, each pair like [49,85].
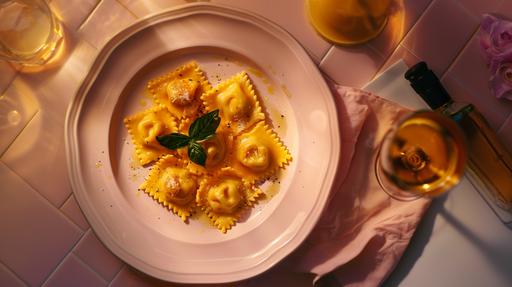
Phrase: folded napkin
[362,233]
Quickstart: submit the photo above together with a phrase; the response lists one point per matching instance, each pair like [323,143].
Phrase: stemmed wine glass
[423,154]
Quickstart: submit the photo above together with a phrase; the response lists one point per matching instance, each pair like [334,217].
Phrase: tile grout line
[16,72]
[127,9]
[504,122]
[89,16]
[325,56]
[45,200]
[88,232]
[117,274]
[88,267]
[14,273]
[403,38]
[459,53]
[16,137]
[61,263]
[66,200]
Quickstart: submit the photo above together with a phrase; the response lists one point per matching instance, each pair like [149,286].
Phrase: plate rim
[76,104]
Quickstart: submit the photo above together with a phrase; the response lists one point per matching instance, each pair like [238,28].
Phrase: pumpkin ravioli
[180,91]
[171,184]
[258,153]
[144,127]
[238,104]
[225,196]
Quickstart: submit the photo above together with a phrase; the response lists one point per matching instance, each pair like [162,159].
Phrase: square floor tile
[18,105]
[472,84]
[35,235]
[55,88]
[73,12]
[440,33]
[7,278]
[402,16]
[8,74]
[505,133]
[73,272]
[73,211]
[291,17]
[42,139]
[92,252]
[108,19]
[351,66]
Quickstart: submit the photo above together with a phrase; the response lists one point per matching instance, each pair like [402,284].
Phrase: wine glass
[423,154]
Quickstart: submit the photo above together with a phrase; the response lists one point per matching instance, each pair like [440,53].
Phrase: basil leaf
[173,141]
[196,153]
[204,126]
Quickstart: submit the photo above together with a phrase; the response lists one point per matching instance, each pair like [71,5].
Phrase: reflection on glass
[422,155]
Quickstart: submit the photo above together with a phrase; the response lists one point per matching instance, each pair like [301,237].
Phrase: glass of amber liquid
[348,22]
[29,32]
[424,154]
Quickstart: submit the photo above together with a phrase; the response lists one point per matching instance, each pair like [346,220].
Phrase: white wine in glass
[422,155]
[348,22]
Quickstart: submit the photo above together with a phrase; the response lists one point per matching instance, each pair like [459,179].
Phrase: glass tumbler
[348,22]
[29,32]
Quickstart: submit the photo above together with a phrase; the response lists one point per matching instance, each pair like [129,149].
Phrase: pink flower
[496,37]
[496,44]
[501,81]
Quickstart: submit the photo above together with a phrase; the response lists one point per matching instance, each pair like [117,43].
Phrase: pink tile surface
[129,277]
[292,17]
[505,133]
[351,66]
[73,211]
[54,88]
[7,73]
[17,107]
[73,12]
[505,9]
[437,41]
[91,251]
[467,80]
[144,8]
[35,235]
[401,53]
[108,19]
[7,278]
[43,138]
[403,15]
[73,272]
[476,8]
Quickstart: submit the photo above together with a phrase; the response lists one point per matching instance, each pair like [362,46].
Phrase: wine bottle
[489,161]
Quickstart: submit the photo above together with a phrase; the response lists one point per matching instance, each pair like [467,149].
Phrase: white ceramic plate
[223,41]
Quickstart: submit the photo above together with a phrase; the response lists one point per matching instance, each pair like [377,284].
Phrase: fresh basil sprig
[201,129]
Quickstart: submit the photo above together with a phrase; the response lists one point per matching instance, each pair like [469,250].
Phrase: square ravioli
[258,153]
[180,91]
[171,184]
[144,127]
[225,196]
[237,102]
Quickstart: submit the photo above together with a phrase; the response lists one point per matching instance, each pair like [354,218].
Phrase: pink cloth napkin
[362,233]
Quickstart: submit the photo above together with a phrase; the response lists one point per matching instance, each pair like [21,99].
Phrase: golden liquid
[348,21]
[426,154]
[29,32]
